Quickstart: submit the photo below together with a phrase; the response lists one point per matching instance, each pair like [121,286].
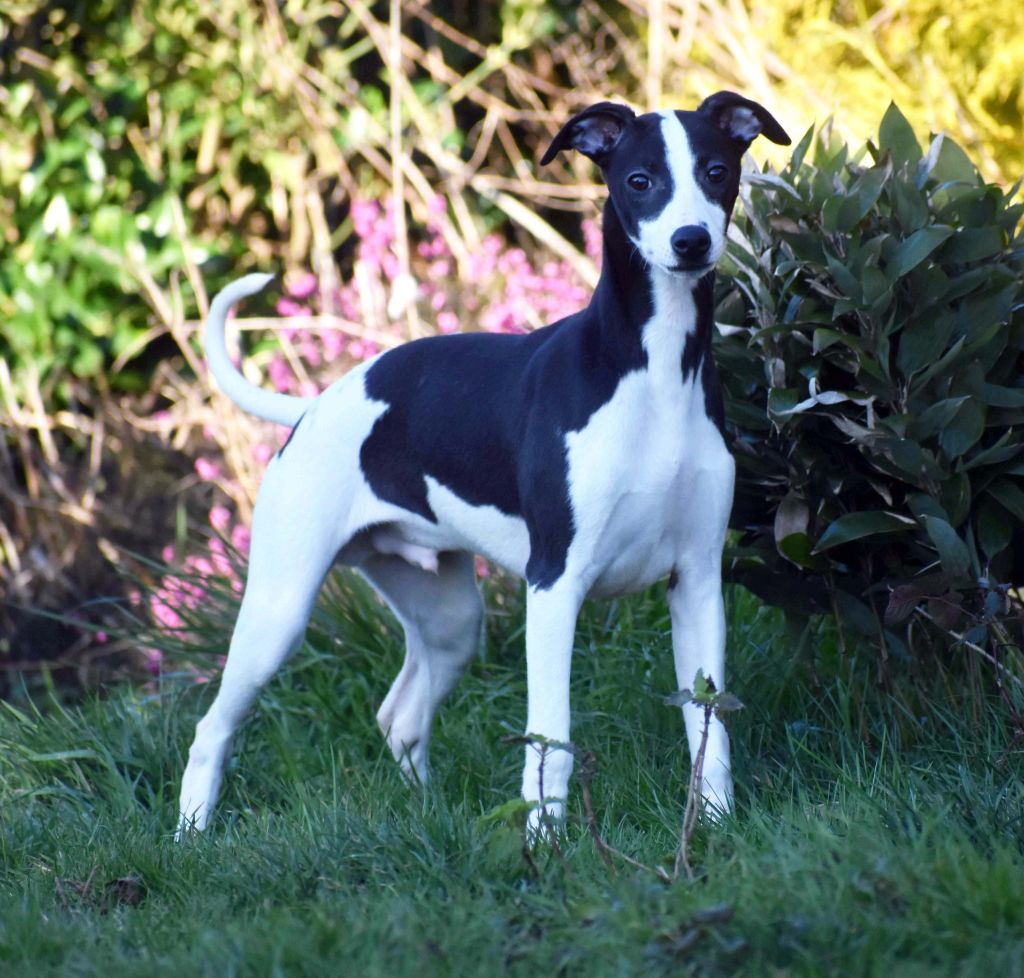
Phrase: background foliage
[883,296]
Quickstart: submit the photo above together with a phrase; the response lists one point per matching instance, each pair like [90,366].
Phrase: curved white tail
[283,409]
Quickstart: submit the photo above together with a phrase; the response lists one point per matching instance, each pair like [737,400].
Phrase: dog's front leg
[550,627]
[698,643]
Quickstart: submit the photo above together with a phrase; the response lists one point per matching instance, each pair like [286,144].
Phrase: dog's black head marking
[661,207]
[594,132]
[741,119]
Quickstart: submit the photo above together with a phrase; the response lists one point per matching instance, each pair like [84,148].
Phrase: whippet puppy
[587,457]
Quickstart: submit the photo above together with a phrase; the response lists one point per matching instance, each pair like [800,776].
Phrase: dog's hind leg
[289,558]
[442,615]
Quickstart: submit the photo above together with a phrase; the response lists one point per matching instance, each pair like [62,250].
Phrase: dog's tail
[281,408]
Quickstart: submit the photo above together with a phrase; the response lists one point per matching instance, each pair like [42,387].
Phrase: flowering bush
[323,332]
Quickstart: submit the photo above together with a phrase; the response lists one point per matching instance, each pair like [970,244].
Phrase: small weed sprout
[708,698]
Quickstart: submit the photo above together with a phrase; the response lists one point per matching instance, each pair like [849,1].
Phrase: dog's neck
[649,316]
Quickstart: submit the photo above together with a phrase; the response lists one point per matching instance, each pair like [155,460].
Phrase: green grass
[876,833]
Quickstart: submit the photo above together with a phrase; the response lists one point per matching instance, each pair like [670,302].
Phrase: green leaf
[896,135]
[996,396]
[513,810]
[727,703]
[964,429]
[781,400]
[1008,495]
[953,552]
[679,698]
[936,416]
[974,244]
[865,192]
[824,338]
[798,549]
[953,165]
[916,249]
[1006,447]
[702,689]
[955,494]
[856,526]
[921,338]
[856,613]
[994,530]
[848,283]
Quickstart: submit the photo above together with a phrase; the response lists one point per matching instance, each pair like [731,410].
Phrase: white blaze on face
[687,206]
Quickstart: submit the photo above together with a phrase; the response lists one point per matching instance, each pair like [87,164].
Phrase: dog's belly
[462,526]
[640,544]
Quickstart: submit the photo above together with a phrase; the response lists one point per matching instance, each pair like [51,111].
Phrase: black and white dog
[587,457]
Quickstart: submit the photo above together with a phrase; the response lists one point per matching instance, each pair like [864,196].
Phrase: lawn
[878,827]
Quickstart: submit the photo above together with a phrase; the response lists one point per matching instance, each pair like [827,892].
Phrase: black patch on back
[486,415]
[452,401]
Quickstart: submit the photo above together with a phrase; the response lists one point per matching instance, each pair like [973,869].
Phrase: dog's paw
[186,830]
[545,819]
[716,793]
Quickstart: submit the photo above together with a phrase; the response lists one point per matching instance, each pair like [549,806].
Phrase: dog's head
[672,176]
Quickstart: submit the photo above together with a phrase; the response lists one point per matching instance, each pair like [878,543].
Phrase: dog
[587,457]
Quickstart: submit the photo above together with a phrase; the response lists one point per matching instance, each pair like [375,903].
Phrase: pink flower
[439,269]
[241,538]
[166,616]
[288,307]
[280,374]
[207,469]
[447,322]
[309,351]
[204,568]
[220,517]
[334,343]
[437,206]
[362,349]
[262,453]
[303,286]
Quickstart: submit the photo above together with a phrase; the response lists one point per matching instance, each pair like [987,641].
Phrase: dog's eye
[639,181]
[717,173]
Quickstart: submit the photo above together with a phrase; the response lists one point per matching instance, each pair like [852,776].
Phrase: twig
[604,850]
[974,647]
[693,801]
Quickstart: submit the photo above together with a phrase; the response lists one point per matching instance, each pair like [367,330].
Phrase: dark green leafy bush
[876,385]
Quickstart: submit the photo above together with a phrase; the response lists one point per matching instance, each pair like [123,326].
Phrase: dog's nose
[691,243]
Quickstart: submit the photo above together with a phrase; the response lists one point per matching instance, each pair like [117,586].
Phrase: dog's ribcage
[645,473]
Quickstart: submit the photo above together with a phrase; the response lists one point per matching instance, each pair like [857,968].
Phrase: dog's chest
[646,477]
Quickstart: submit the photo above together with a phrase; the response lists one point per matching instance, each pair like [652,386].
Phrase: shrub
[875,383]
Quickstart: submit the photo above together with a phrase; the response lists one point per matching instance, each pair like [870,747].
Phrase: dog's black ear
[594,132]
[742,119]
